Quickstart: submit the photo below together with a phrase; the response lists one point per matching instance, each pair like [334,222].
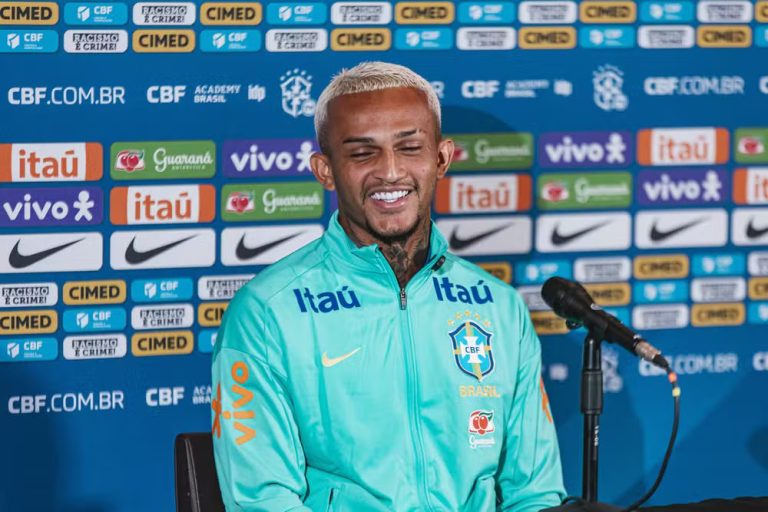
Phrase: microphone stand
[591,401]
[591,408]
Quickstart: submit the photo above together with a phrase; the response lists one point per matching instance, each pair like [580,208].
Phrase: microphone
[569,300]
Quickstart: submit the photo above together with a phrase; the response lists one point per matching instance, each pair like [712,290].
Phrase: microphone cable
[672,376]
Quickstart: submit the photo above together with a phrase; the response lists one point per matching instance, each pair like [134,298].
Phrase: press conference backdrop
[154,157]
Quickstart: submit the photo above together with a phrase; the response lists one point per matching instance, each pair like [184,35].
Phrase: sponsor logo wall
[141,188]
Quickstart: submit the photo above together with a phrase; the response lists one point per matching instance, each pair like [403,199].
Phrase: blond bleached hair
[368,77]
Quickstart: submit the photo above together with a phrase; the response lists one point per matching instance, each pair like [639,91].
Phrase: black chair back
[197,486]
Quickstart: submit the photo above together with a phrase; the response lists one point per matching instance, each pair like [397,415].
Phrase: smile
[389,197]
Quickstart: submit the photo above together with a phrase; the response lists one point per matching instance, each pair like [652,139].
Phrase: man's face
[384,160]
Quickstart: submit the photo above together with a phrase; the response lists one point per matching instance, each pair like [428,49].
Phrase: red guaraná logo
[460,153]
[240,202]
[130,160]
[750,146]
[481,422]
[554,191]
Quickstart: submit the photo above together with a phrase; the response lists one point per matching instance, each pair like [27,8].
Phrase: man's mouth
[389,196]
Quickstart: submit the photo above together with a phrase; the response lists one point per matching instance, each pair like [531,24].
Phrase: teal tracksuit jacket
[334,389]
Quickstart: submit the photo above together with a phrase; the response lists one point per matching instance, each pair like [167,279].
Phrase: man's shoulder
[281,275]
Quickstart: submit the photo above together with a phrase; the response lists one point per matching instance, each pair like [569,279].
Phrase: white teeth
[389,197]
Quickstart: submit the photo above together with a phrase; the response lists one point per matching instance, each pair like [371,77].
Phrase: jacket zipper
[412,383]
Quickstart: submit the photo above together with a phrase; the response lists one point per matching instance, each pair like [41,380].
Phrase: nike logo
[458,244]
[135,257]
[328,362]
[753,232]
[560,239]
[245,253]
[18,260]
[658,236]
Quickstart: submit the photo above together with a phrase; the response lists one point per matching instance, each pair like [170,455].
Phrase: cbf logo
[608,83]
[296,88]
[472,346]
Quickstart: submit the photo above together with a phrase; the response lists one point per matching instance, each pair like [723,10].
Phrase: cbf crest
[471,341]
[296,87]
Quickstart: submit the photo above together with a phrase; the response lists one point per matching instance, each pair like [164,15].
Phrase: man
[372,370]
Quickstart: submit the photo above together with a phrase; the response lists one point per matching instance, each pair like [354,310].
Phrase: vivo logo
[289,157]
[584,149]
[694,186]
[51,206]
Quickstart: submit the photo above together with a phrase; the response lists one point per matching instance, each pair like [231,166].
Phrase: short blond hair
[367,77]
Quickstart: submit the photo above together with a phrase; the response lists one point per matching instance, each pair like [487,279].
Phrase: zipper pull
[403,299]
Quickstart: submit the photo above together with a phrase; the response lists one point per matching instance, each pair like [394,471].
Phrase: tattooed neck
[406,263]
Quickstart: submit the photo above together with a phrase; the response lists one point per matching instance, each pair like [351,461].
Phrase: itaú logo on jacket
[326,302]
[445,290]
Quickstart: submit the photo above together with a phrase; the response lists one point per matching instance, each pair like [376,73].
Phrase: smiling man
[372,370]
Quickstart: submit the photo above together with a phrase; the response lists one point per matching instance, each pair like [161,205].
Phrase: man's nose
[391,168]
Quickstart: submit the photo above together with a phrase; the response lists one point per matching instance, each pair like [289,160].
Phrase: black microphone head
[568,299]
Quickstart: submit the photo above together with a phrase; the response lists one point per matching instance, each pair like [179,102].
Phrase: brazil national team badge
[472,348]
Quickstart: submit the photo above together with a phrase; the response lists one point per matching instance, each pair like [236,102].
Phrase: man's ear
[321,168]
[444,156]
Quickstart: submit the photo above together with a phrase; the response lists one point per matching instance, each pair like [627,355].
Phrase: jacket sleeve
[530,476]
[259,459]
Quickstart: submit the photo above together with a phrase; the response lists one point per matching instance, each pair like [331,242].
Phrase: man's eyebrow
[358,140]
[407,133]
[370,140]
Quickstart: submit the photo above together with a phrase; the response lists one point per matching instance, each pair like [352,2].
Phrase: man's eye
[411,149]
[361,154]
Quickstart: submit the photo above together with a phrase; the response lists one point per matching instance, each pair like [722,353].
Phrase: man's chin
[393,231]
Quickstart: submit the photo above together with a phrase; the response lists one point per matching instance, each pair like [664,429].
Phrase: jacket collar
[369,257]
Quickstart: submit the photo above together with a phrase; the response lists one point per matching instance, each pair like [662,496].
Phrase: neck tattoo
[405,263]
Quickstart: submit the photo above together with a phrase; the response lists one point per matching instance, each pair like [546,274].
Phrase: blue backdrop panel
[97,434]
